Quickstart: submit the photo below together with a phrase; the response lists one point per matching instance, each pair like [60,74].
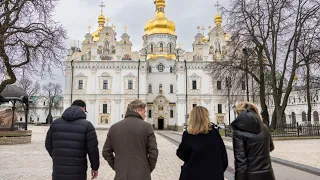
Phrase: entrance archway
[161,123]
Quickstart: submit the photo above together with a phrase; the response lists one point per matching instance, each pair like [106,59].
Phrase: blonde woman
[252,144]
[202,149]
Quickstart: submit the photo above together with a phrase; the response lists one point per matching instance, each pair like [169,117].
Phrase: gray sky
[77,15]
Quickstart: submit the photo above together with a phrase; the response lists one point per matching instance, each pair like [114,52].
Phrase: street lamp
[228,83]
[245,52]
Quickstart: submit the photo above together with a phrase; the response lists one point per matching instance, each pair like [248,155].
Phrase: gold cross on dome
[102,6]
[217,5]
[125,28]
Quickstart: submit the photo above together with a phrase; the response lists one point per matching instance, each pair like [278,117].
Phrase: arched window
[171,69]
[316,117]
[150,69]
[160,88]
[293,117]
[171,88]
[151,48]
[170,48]
[130,84]
[161,47]
[171,113]
[160,67]
[150,88]
[304,117]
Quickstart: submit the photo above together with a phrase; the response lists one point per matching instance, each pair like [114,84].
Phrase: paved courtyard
[32,162]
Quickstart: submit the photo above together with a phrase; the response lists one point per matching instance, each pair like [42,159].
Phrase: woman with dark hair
[202,149]
[252,144]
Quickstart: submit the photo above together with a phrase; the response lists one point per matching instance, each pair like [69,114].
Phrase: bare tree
[53,95]
[32,89]
[29,37]
[274,30]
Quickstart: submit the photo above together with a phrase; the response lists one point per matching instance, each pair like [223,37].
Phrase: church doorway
[160,123]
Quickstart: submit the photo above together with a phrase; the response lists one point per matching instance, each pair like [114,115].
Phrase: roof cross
[102,6]
[217,5]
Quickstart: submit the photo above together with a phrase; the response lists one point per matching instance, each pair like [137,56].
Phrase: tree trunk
[264,107]
[308,92]
[49,117]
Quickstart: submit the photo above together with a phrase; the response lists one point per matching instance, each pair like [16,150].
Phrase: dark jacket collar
[74,113]
[130,113]
[248,121]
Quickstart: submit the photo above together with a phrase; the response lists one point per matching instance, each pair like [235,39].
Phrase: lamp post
[187,116]
[228,83]
[245,52]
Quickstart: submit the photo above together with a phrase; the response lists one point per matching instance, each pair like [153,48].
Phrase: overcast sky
[77,15]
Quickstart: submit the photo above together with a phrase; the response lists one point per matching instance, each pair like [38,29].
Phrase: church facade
[107,75]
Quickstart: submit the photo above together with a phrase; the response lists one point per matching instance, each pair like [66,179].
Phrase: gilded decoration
[105,118]
[161,109]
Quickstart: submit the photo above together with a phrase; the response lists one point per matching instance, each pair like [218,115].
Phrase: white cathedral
[107,75]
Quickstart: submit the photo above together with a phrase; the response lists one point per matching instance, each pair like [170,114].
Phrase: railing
[20,125]
[296,130]
[288,130]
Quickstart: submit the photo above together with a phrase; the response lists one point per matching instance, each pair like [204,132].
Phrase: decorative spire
[198,27]
[101,19]
[107,20]
[125,29]
[160,5]
[218,18]
[102,6]
[203,29]
[89,29]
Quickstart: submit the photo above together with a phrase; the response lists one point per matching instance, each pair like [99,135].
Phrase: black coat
[252,145]
[204,156]
[68,142]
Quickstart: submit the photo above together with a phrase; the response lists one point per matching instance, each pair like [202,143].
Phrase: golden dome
[101,21]
[204,39]
[160,24]
[218,20]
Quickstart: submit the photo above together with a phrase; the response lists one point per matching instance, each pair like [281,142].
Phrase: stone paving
[32,162]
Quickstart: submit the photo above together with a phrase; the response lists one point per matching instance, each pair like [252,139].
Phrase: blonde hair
[199,122]
[242,106]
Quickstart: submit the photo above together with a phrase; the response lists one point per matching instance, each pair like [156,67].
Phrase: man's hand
[94,174]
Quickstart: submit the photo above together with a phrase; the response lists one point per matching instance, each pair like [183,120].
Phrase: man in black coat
[69,140]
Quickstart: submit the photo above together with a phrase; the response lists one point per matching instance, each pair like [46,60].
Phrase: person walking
[252,144]
[69,140]
[133,142]
[202,149]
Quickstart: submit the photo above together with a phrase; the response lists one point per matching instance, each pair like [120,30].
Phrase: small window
[194,105]
[149,113]
[171,88]
[219,85]
[150,88]
[160,67]
[220,108]
[160,88]
[161,47]
[105,108]
[80,84]
[194,84]
[150,69]
[130,84]
[170,48]
[228,82]
[105,84]
[21,119]
[44,103]
[171,113]
[171,69]
[243,85]
[151,48]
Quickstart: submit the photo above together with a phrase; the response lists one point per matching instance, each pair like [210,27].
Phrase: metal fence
[289,130]
[20,125]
